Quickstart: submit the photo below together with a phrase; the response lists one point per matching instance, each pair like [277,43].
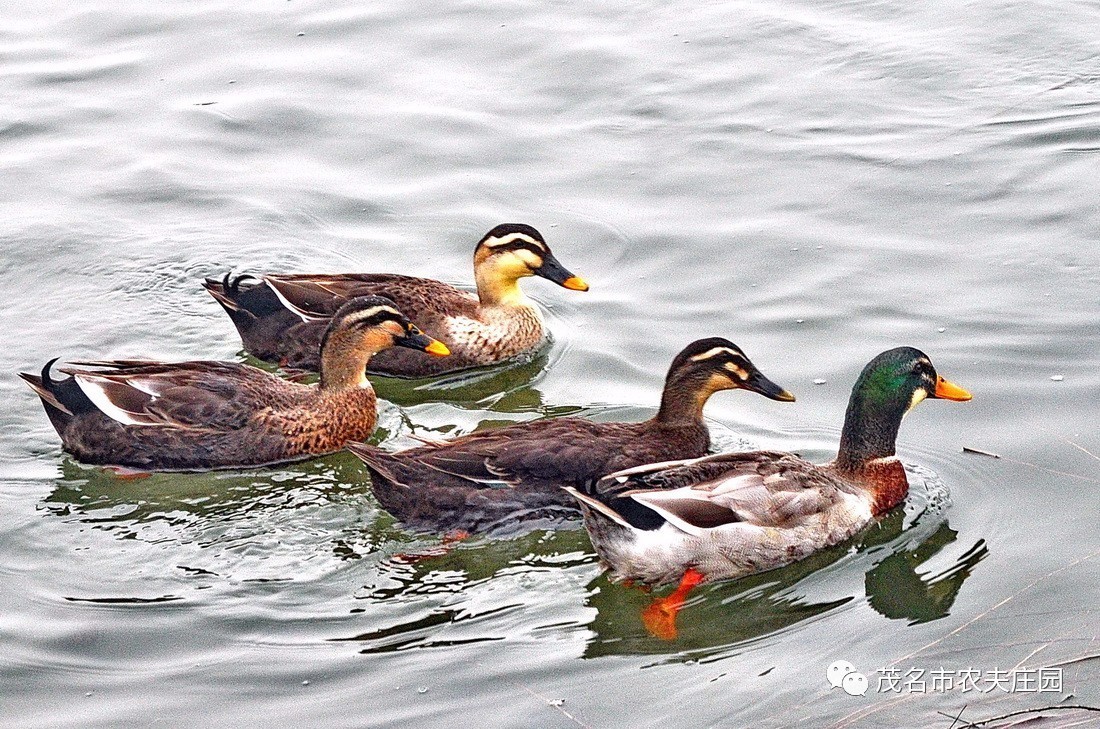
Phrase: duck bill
[946,390]
[763,386]
[416,339]
[552,270]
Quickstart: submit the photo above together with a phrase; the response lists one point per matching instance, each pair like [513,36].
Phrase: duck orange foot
[447,544]
[127,474]
[659,617]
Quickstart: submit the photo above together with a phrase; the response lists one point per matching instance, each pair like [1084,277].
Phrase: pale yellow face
[497,258]
[511,265]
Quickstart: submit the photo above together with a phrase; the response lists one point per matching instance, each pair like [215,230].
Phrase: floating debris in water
[1057,378]
[819,381]
[968,449]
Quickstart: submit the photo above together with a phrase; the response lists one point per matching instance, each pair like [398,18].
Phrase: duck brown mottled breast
[497,333]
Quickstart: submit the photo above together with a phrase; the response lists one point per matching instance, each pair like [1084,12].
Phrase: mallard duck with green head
[184,416]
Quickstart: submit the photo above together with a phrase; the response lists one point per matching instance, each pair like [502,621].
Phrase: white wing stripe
[93,388]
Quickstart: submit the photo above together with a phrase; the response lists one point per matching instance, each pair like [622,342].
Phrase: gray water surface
[817,181]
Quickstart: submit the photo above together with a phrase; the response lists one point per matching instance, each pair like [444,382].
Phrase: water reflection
[726,615]
[97,495]
[719,618]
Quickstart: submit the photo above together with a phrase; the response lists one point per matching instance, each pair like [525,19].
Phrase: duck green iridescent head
[905,375]
[890,386]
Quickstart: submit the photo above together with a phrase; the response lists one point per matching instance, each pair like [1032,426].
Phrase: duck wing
[319,295]
[190,395]
[763,488]
[561,450]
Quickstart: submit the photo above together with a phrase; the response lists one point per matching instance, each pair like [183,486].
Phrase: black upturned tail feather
[232,285]
[48,382]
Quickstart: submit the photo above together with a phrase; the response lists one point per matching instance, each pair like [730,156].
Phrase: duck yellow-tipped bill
[576,283]
[784,396]
[946,390]
[438,348]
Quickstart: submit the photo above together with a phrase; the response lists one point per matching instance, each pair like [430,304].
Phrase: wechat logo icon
[842,674]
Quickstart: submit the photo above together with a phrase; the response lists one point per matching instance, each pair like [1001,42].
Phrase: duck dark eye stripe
[516,240]
[373,317]
[527,247]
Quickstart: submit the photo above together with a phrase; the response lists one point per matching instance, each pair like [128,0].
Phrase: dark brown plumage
[202,415]
[281,317]
[491,479]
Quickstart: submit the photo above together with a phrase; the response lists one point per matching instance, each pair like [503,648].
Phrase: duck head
[360,329]
[891,385]
[513,251]
[707,366]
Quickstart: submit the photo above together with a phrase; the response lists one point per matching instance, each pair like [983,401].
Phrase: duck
[731,515]
[136,416]
[498,480]
[281,318]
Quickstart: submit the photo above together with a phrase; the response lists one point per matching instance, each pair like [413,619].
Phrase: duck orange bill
[438,348]
[946,390]
[576,283]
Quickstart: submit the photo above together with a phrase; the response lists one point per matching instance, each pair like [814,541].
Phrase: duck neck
[870,432]
[683,399]
[343,365]
[497,289]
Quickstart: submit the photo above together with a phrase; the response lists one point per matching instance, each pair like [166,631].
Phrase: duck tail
[53,394]
[597,510]
[227,292]
[46,387]
[376,461]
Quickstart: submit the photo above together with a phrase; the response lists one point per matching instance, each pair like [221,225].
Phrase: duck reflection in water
[727,614]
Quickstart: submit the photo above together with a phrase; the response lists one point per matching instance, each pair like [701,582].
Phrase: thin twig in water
[1021,712]
[1050,470]
[1030,655]
[1078,659]
[1002,603]
[954,719]
[556,705]
[1081,448]
[968,449]
[549,702]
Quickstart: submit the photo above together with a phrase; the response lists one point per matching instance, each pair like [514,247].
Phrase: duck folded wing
[761,488]
[313,295]
[194,395]
[746,499]
[560,450]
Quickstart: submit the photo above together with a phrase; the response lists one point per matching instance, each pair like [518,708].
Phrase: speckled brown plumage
[495,324]
[208,415]
[486,480]
[203,415]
